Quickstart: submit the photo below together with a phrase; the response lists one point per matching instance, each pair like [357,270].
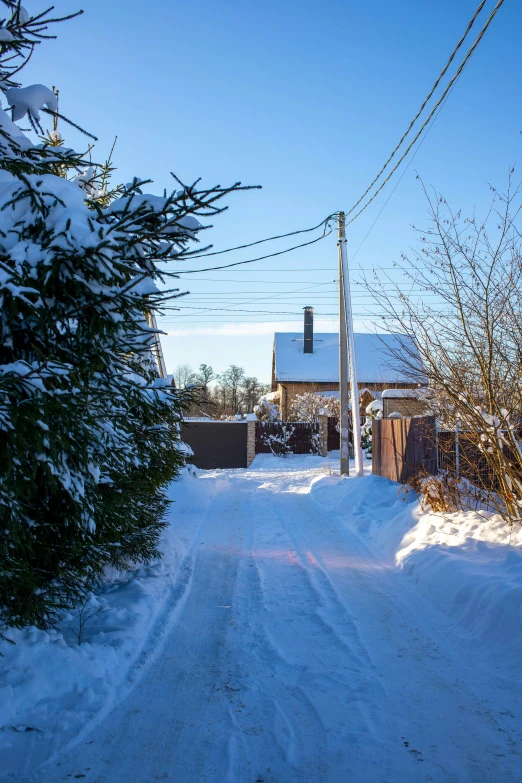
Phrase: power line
[298,300]
[402,175]
[333,317]
[247,282]
[211,313]
[423,106]
[287,269]
[274,296]
[294,318]
[252,260]
[325,223]
[220,295]
[260,241]
[431,114]
[281,297]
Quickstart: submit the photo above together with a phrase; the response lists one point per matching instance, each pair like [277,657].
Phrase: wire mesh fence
[462,454]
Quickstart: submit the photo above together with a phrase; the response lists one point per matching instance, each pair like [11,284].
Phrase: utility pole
[344,467]
[346,336]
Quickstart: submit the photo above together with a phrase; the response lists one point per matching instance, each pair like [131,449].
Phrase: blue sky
[306,99]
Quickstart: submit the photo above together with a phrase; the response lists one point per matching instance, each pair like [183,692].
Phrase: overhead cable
[424,103]
[261,258]
[260,241]
[431,114]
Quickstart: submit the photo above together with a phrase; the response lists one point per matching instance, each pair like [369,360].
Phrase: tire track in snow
[174,724]
[337,672]
[414,633]
[292,745]
[296,657]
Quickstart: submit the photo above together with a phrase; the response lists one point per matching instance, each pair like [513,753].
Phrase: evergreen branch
[56,114]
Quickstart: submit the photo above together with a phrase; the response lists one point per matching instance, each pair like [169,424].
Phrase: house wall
[288,391]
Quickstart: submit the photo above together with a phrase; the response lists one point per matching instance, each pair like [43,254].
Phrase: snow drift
[468,564]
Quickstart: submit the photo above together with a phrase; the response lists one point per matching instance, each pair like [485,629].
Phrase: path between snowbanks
[299,654]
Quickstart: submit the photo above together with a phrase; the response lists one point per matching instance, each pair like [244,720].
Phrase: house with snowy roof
[308,362]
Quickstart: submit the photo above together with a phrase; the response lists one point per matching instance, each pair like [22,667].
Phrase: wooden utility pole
[344,432]
[347,355]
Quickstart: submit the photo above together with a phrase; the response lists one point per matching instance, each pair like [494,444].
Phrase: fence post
[323,436]
[251,442]
[457,450]
[437,428]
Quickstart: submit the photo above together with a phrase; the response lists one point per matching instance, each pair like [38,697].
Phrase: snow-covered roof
[374,364]
[395,394]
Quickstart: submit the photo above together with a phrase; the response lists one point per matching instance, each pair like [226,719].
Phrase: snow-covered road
[296,655]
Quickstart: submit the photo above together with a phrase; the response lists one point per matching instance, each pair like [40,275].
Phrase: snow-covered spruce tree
[88,429]
[373,411]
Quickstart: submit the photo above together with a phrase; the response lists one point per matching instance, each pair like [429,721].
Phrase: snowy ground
[301,628]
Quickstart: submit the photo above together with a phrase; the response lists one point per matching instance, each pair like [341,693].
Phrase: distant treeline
[219,394]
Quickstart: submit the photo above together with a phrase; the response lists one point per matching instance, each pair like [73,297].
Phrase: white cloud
[249,329]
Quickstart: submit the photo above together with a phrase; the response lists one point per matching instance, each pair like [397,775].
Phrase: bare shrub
[467,344]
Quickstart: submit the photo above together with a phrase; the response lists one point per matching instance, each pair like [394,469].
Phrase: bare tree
[251,390]
[84,616]
[467,331]
[203,378]
[230,386]
[183,375]
[202,399]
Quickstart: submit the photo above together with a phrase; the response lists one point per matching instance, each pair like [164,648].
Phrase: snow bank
[468,564]
[51,687]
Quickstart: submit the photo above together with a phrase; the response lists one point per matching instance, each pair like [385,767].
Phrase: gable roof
[374,364]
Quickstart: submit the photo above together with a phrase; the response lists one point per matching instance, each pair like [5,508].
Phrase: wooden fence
[402,448]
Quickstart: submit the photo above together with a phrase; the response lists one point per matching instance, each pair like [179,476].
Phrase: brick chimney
[308,330]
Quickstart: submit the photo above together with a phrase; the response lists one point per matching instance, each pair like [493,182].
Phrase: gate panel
[217,444]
